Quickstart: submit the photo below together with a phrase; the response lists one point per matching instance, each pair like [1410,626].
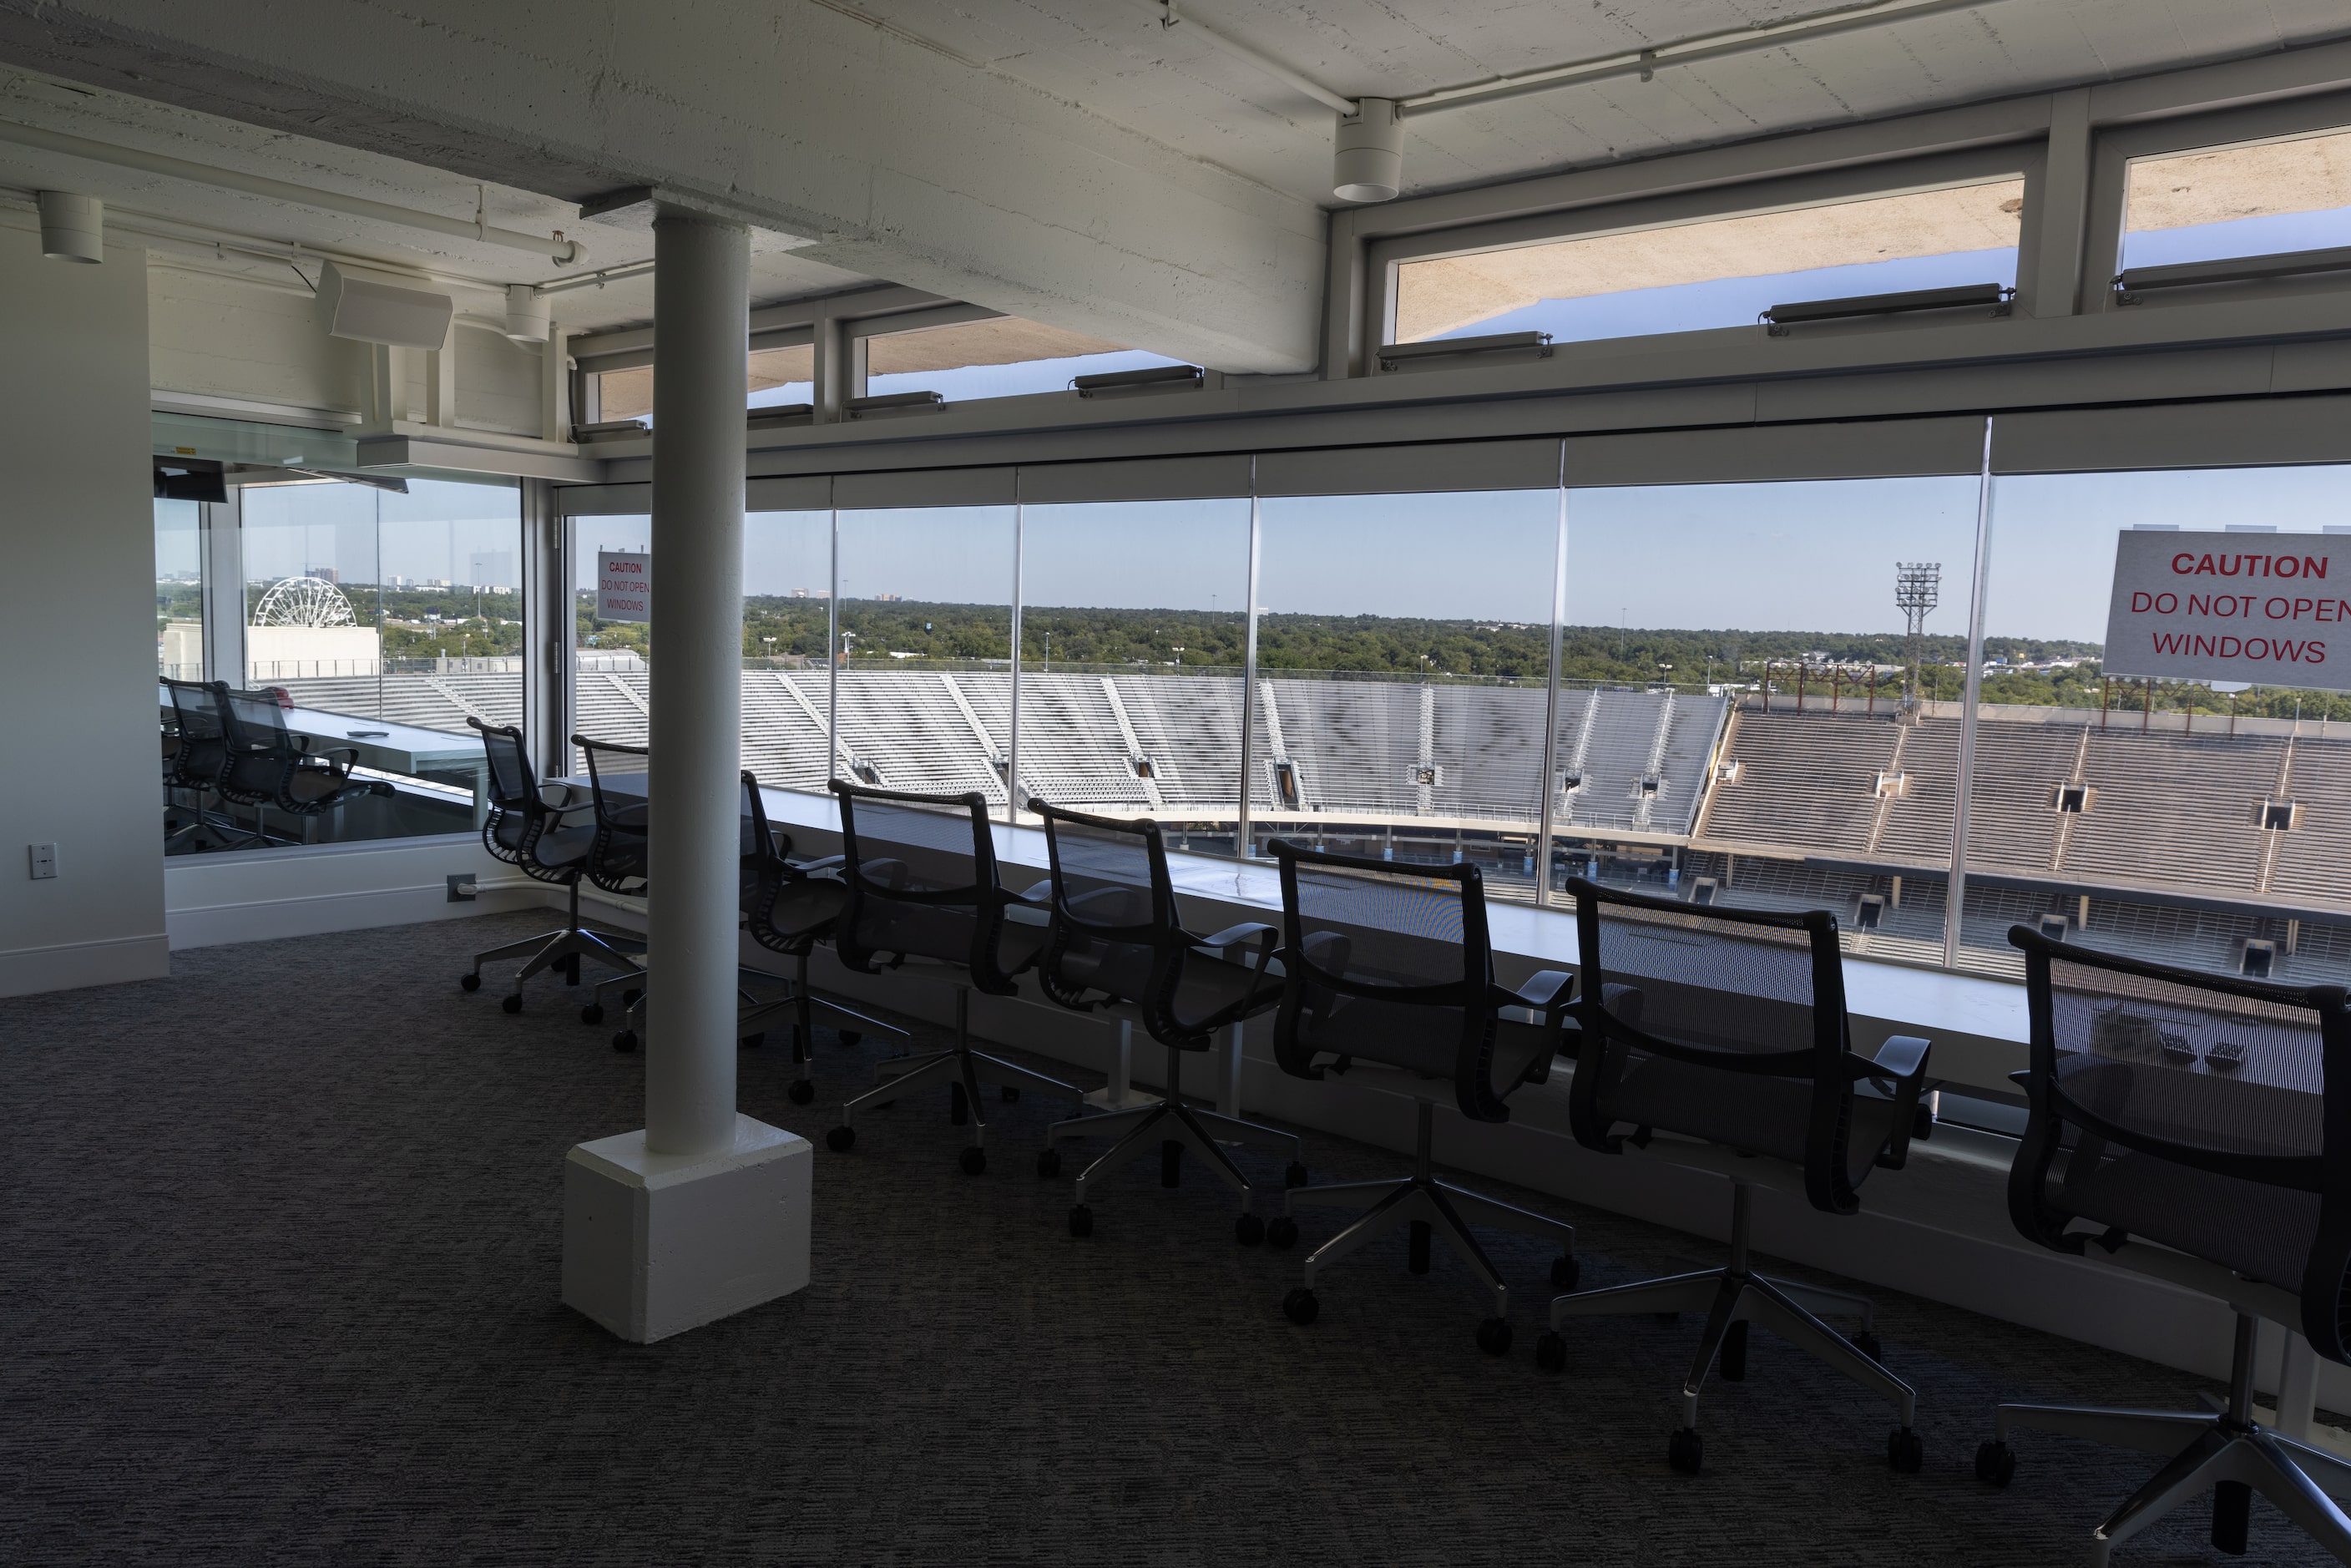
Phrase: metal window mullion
[1248,673]
[832,658]
[1956,891]
[1012,742]
[1544,820]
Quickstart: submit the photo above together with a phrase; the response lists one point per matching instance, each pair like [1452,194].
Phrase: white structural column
[702,312]
[705,1212]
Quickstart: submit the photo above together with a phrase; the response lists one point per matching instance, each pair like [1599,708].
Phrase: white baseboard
[68,964]
[260,895]
[309,914]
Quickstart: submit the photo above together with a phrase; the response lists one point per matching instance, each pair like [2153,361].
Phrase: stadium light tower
[1917,588]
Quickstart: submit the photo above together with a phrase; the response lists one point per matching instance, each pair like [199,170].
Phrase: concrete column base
[657,1244]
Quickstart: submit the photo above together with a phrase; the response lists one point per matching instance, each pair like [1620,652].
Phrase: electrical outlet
[43,861]
[461,887]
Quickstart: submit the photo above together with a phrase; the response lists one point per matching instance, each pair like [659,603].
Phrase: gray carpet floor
[280,1253]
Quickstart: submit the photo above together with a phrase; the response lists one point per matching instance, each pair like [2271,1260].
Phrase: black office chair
[1726,1030]
[923,885]
[1119,941]
[270,765]
[534,824]
[1389,975]
[196,755]
[2179,1113]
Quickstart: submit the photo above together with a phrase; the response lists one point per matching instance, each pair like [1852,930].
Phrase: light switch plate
[43,861]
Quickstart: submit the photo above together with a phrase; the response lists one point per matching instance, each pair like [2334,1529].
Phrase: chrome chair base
[1734,1296]
[2227,1454]
[1421,1200]
[1170,1120]
[959,1067]
[563,948]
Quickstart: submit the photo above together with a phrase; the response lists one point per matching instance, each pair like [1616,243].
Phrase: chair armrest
[820,865]
[1544,989]
[1233,935]
[1902,1056]
[1037,895]
[1902,1059]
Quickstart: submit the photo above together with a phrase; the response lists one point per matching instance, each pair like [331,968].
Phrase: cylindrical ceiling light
[1369,166]
[527,319]
[73,228]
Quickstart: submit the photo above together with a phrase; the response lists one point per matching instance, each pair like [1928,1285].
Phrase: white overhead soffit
[925,488]
[1428,469]
[1136,480]
[1746,454]
[2247,433]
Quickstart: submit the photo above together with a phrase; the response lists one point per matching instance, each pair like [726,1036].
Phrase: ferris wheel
[303,602]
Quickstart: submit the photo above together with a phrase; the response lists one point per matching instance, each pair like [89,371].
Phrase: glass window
[1753,739]
[787,625]
[1002,357]
[1403,656]
[2196,821]
[773,378]
[384,621]
[2265,199]
[1720,272]
[611,691]
[1133,629]
[179,590]
[926,648]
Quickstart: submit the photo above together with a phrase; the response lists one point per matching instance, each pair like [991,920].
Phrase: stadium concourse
[2137,829]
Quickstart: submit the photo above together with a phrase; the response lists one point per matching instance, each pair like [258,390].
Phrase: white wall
[79,767]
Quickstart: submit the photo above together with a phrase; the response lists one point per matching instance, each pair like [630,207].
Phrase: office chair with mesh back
[2200,1126]
[1389,976]
[1119,941]
[788,908]
[923,885]
[1724,1030]
[270,765]
[195,760]
[545,839]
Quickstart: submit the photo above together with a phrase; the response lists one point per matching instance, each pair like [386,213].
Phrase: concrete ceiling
[1070,161]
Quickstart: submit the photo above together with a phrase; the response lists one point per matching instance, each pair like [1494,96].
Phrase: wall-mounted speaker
[374,309]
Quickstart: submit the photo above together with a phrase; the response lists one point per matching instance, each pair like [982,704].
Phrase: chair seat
[801,910]
[310,786]
[1745,1111]
[560,848]
[2262,1232]
[1426,1040]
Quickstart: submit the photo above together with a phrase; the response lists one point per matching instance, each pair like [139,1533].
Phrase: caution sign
[624,585]
[2271,610]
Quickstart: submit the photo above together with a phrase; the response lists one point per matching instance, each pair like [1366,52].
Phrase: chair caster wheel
[1300,1307]
[1011,1092]
[1249,1230]
[802,1091]
[1867,1343]
[1550,1352]
[1565,1271]
[593,1013]
[1081,1222]
[625,1041]
[753,1041]
[841,1140]
[1281,1232]
[848,1036]
[1048,1164]
[973,1161]
[469,982]
[1684,1451]
[632,997]
[1995,1463]
[1904,1451]
[1295,1175]
[512,1004]
[1494,1336]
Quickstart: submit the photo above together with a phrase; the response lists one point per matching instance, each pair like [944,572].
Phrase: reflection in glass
[1001,357]
[1735,667]
[1133,633]
[179,592]
[2197,823]
[925,643]
[1723,272]
[1404,652]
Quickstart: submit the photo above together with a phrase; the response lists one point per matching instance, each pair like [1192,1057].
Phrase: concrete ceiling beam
[889,158]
